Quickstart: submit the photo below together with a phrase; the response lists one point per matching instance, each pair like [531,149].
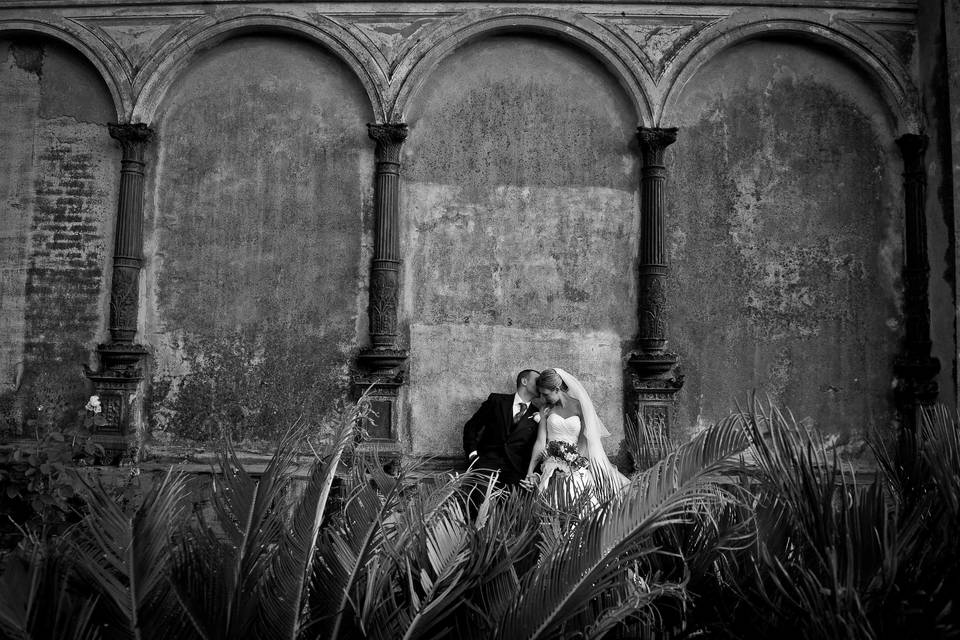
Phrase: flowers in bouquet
[93,405]
[568,453]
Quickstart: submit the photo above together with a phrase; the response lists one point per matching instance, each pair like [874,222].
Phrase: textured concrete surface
[519,228]
[459,365]
[787,251]
[256,220]
[519,199]
[58,185]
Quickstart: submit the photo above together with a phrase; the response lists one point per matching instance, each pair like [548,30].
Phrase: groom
[500,435]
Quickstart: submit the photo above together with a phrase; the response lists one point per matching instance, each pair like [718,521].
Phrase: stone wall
[787,255]
[58,186]
[518,212]
[257,213]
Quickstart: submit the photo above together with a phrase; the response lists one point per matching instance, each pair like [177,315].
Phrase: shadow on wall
[59,173]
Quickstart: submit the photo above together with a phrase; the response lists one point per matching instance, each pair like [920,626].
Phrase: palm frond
[220,568]
[417,584]
[337,583]
[39,600]
[590,563]
[125,556]
[284,588]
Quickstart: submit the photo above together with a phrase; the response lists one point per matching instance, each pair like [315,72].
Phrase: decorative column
[120,360]
[915,369]
[382,364]
[651,368]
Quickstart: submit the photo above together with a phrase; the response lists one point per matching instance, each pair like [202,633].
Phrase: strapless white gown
[563,455]
[563,429]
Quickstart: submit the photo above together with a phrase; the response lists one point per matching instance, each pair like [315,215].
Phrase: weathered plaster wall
[785,238]
[951,30]
[58,182]
[255,248]
[519,199]
[520,211]
[933,25]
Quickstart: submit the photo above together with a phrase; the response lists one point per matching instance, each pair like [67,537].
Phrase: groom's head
[527,383]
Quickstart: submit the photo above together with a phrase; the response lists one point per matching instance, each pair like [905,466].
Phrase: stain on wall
[519,238]
[59,175]
[258,215]
[786,256]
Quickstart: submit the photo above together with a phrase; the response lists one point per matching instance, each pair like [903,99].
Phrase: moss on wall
[786,254]
[255,251]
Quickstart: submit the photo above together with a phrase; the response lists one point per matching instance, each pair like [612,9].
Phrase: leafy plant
[37,490]
[751,530]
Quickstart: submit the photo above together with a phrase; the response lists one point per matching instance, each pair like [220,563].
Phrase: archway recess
[167,64]
[889,75]
[574,29]
[107,65]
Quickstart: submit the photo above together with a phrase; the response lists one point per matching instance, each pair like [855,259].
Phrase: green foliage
[835,558]
[754,529]
[37,490]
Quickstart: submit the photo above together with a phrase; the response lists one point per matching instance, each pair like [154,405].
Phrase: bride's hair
[550,379]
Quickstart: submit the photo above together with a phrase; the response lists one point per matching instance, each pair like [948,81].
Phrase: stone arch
[107,65]
[272,170]
[167,64]
[890,77]
[787,250]
[578,30]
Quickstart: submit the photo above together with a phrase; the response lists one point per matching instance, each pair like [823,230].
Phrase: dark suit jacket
[498,443]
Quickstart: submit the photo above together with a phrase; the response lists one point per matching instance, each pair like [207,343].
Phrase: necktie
[523,407]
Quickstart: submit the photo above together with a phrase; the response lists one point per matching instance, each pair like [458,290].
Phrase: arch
[167,64]
[897,91]
[582,32]
[102,59]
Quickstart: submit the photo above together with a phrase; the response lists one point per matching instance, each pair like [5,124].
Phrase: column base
[384,362]
[118,383]
[914,385]
[381,375]
[653,382]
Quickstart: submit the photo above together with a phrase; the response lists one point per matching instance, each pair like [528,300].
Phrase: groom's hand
[531,481]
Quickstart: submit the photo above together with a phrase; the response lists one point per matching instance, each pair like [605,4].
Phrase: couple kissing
[547,432]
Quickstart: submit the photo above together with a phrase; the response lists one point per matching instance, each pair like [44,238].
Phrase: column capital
[655,138]
[913,144]
[388,133]
[912,147]
[133,138]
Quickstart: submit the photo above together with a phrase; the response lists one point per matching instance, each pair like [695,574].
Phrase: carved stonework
[658,40]
[393,35]
[384,291]
[653,399]
[654,143]
[121,359]
[656,418]
[389,138]
[652,261]
[133,139]
[915,369]
[381,366]
[124,303]
[136,38]
[116,435]
[651,369]
[652,307]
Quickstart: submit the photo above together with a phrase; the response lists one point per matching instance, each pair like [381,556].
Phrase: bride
[568,438]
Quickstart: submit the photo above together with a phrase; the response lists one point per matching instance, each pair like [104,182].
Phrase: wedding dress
[574,450]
